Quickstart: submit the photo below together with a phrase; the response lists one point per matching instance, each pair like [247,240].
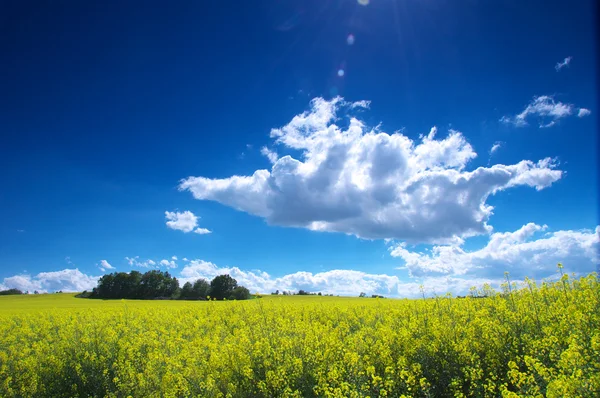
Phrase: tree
[10,292]
[201,289]
[362,294]
[222,286]
[240,293]
[186,291]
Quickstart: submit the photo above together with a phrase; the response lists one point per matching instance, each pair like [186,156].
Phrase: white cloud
[168,264]
[67,280]
[185,221]
[516,252]
[269,154]
[185,259]
[134,261]
[369,183]
[105,265]
[344,282]
[497,145]
[583,112]
[564,63]
[545,109]
[338,282]
[202,231]
[174,258]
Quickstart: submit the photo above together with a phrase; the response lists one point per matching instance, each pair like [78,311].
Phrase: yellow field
[536,341]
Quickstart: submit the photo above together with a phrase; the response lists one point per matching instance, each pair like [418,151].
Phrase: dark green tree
[240,293]
[222,286]
[201,289]
[10,292]
[186,291]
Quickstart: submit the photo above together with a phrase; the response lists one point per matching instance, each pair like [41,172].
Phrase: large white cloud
[520,253]
[369,183]
[185,221]
[67,280]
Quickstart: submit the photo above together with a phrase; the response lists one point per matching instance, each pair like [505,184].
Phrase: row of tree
[10,292]
[157,284]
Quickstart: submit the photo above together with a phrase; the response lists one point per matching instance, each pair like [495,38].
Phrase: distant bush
[10,292]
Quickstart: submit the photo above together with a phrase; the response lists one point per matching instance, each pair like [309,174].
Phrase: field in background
[536,340]
[20,304]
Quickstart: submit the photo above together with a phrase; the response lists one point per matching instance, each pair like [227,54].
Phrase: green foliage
[222,286]
[240,293]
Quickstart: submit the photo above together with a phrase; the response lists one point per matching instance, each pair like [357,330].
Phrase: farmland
[528,340]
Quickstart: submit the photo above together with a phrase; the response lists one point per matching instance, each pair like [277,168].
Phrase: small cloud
[134,261]
[545,108]
[68,260]
[269,154]
[20,230]
[185,221]
[105,265]
[583,112]
[564,63]
[168,264]
[202,231]
[497,145]
[174,258]
[185,259]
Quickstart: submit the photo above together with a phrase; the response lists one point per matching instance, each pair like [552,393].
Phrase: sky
[342,146]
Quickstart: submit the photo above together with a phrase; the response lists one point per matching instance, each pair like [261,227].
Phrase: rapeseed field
[525,341]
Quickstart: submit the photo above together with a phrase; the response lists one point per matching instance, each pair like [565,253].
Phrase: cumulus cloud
[105,265]
[185,221]
[545,109]
[174,258]
[344,282]
[67,280]
[564,63]
[583,112]
[371,184]
[522,253]
[339,282]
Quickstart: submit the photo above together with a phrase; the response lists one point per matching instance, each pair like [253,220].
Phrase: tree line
[10,292]
[157,284]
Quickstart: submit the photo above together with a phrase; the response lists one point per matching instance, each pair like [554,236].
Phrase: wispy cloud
[135,262]
[105,265]
[269,154]
[497,145]
[544,108]
[563,64]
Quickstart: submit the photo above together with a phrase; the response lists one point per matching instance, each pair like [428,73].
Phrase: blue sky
[379,117]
